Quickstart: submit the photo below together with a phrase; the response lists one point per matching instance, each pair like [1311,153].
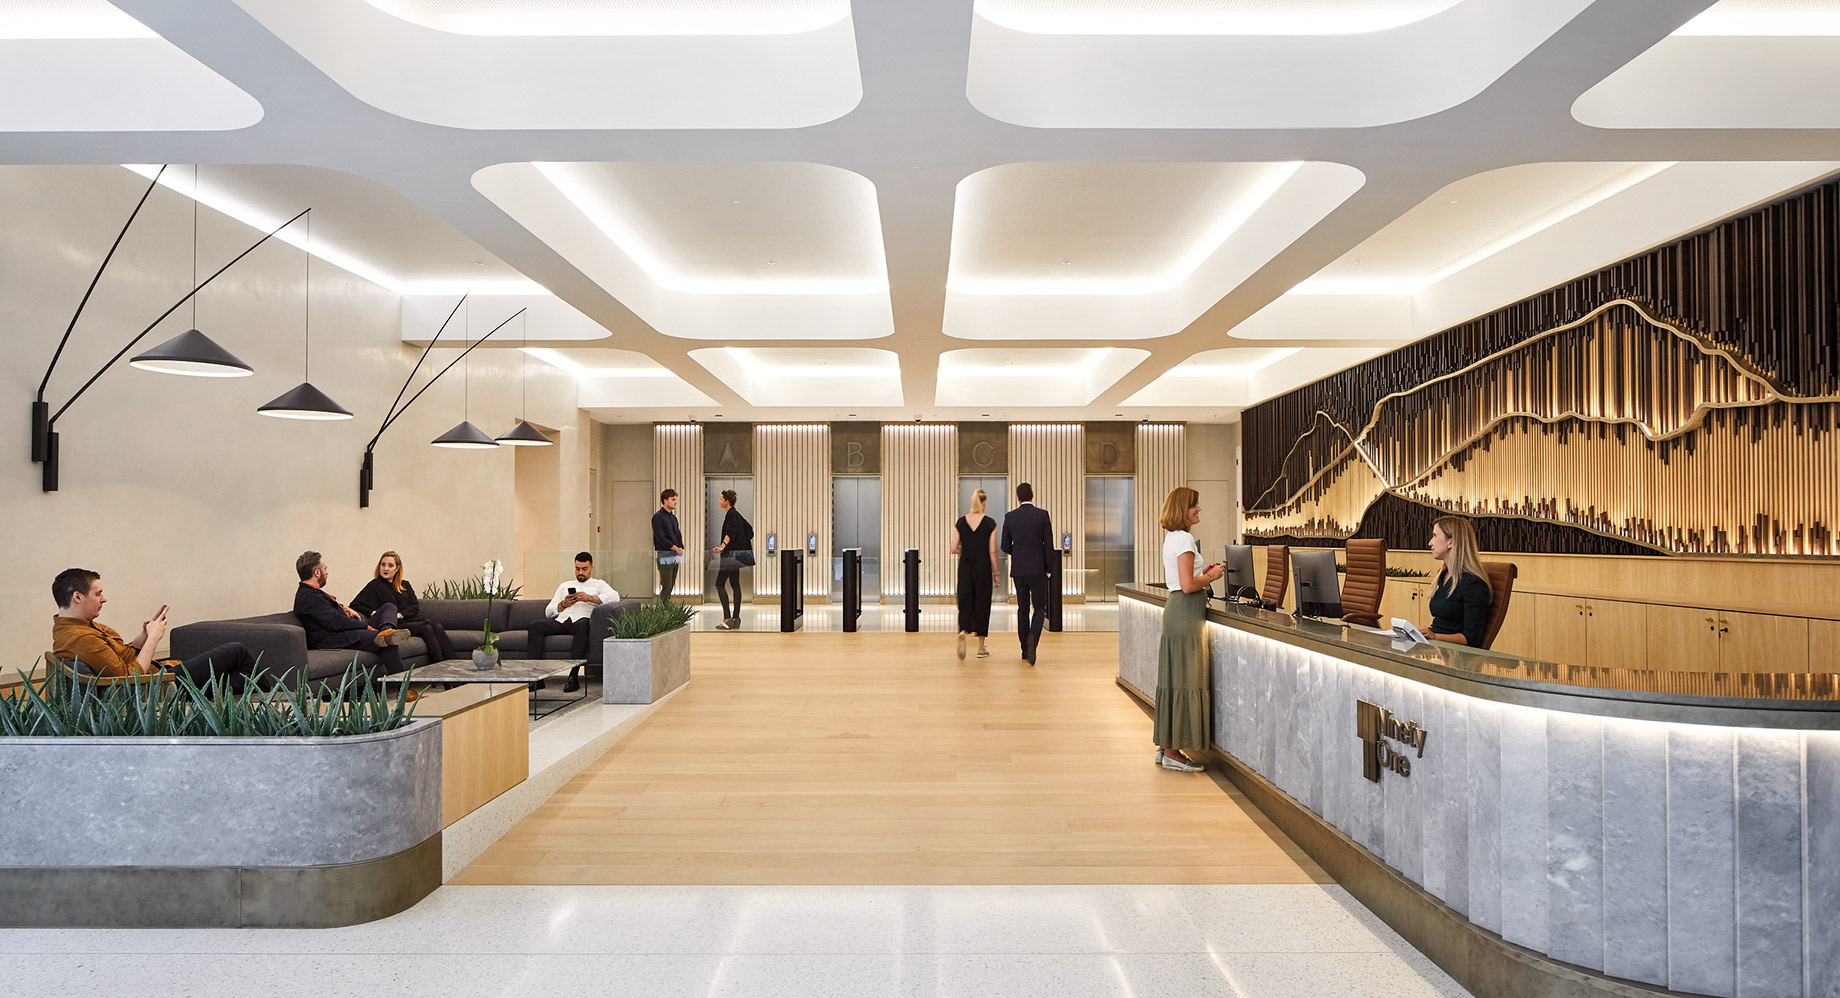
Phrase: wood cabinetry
[1682,638]
[1824,646]
[1615,634]
[1405,598]
[1542,626]
[1762,642]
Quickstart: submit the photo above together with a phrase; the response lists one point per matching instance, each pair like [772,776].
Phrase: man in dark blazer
[331,624]
[1028,536]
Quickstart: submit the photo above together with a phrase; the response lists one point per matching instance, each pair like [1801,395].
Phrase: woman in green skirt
[1182,698]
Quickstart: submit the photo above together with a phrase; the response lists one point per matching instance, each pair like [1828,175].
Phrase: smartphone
[571,590]
[163,608]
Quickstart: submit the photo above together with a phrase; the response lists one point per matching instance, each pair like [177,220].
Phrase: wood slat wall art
[1162,464]
[1742,313]
[1618,373]
[1052,458]
[677,463]
[792,497]
[919,505]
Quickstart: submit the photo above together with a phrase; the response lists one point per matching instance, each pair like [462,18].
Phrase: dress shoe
[1031,655]
[391,636]
[572,685]
[961,646]
[723,626]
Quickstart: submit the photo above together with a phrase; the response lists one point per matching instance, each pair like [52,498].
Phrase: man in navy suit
[1028,536]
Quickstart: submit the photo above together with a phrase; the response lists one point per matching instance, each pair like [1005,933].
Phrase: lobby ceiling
[1033,209]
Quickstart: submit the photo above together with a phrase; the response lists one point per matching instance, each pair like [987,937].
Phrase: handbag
[745,557]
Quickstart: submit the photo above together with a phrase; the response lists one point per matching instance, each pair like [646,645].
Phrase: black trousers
[230,660]
[541,630]
[1031,608]
[385,617]
[434,638]
[728,579]
[974,590]
[667,576]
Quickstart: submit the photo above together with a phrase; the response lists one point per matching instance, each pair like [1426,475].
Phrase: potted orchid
[486,655]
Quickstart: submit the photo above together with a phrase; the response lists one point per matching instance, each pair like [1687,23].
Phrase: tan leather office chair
[1277,573]
[1365,582]
[1501,589]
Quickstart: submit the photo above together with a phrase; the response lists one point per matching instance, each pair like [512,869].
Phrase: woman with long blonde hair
[1460,603]
[1182,699]
[387,585]
[974,540]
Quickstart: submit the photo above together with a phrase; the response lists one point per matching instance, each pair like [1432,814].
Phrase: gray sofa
[281,642]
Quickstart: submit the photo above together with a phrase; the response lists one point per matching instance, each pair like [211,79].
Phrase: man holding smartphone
[568,613]
[77,638]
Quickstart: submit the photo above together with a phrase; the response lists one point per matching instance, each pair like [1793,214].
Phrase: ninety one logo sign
[1374,726]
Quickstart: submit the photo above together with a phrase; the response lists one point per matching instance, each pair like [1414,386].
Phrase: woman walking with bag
[974,540]
[1182,697]
[736,552]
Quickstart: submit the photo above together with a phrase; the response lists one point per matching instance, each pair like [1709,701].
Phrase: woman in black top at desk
[1460,604]
[388,586]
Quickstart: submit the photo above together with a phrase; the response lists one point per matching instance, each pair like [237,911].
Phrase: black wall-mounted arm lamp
[188,353]
[365,472]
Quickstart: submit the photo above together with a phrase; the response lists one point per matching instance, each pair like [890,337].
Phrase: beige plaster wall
[174,488]
[1213,471]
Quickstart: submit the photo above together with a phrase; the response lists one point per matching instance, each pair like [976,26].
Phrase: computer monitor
[1239,572]
[1319,593]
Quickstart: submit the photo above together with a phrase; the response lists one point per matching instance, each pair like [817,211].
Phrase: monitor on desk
[1319,592]
[1239,572]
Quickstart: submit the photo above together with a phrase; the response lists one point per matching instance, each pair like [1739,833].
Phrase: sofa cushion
[525,612]
[465,614]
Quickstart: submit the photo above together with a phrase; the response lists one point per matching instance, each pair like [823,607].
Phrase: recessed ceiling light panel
[67,19]
[1207,17]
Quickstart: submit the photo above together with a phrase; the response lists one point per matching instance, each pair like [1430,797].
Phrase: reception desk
[1539,828]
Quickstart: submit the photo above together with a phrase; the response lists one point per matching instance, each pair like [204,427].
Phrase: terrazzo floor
[1244,941]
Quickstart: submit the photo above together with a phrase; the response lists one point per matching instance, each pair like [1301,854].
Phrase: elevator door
[997,488]
[1111,544]
[856,522]
[712,531]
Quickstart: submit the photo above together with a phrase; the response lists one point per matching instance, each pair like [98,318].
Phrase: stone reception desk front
[1681,830]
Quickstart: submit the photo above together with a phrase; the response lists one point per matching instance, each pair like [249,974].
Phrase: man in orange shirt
[76,637]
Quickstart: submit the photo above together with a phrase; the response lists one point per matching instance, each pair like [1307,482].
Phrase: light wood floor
[883,759]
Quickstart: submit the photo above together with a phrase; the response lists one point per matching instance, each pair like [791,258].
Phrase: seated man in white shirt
[568,614]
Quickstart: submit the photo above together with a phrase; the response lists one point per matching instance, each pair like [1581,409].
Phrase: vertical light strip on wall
[792,498]
[677,463]
[919,505]
[1162,464]
[1052,458]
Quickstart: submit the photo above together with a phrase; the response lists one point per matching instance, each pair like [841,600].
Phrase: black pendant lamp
[192,353]
[466,436]
[303,401]
[524,434]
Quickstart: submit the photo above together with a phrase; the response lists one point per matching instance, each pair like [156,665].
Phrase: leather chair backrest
[1365,581]
[1501,589]
[1277,573]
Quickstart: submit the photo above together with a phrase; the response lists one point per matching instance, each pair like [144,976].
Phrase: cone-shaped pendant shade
[466,436]
[304,401]
[525,435]
[195,354]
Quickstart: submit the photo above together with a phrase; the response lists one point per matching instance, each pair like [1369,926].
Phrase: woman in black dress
[1460,603]
[735,553]
[974,540]
[387,586]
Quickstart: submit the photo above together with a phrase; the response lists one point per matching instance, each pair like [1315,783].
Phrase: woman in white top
[1182,697]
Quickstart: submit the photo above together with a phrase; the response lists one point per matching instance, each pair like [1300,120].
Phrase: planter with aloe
[646,653]
[163,803]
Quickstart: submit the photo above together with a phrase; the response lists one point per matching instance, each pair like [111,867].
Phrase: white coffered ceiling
[795,209]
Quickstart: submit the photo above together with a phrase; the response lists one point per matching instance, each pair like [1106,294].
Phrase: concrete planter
[641,670]
[219,831]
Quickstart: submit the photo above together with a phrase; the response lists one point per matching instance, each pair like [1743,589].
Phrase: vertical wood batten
[1052,458]
[792,498]
[919,505]
[1162,464]
[677,463]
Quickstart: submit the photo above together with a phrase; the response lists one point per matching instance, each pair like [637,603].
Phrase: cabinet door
[1682,638]
[1762,642]
[1616,634]
[1550,628]
[1402,599]
[1824,646]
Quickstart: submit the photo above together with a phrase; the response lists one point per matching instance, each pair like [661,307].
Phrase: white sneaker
[1176,763]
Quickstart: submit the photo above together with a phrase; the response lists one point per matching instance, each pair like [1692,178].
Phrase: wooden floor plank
[883,759]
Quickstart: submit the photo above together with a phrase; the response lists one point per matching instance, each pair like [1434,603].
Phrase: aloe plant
[67,705]
[650,620]
[470,588]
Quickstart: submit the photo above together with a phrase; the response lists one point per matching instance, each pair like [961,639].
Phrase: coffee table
[510,670]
